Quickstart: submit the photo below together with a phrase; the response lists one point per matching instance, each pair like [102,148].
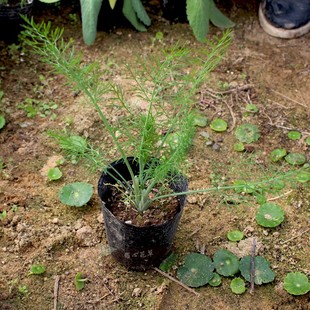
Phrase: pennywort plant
[167,90]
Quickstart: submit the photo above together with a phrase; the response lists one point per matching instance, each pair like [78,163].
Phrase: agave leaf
[198,15]
[141,13]
[131,15]
[218,19]
[90,10]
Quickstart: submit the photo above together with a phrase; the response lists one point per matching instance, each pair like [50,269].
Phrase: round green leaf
[308,141]
[37,269]
[295,159]
[277,154]
[269,215]
[239,147]
[247,133]
[216,280]
[303,176]
[226,263]
[235,235]
[251,108]
[76,194]
[196,271]
[2,121]
[218,125]
[296,283]
[54,174]
[294,135]
[200,120]
[237,286]
[263,273]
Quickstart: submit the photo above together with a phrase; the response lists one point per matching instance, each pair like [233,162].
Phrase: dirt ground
[271,73]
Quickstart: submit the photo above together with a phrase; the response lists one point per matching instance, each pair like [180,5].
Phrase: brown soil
[271,73]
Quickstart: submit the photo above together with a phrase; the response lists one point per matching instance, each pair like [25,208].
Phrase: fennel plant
[169,94]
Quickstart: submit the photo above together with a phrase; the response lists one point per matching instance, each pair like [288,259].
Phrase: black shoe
[285,19]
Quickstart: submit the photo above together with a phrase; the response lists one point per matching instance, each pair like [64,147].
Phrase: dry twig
[232,115]
[56,288]
[253,266]
[284,96]
[176,281]
[297,236]
[278,197]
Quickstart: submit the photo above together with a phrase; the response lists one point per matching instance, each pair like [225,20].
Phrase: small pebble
[137,292]
[205,134]
[209,143]
[216,147]
[55,220]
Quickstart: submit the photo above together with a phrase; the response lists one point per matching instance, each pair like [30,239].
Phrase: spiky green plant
[168,94]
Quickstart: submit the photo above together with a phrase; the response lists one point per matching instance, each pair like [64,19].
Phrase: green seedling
[269,215]
[237,286]
[247,133]
[216,280]
[226,263]
[158,38]
[23,289]
[239,147]
[35,107]
[295,159]
[3,215]
[308,141]
[169,262]
[2,121]
[277,154]
[263,273]
[235,235]
[76,194]
[296,283]
[252,108]
[54,174]
[294,135]
[196,271]
[218,125]
[36,269]
[79,281]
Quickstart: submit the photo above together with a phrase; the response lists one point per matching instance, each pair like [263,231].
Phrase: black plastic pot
[10,19]
[137,248]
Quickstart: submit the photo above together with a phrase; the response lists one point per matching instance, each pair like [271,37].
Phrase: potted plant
[10,17]
[143,192]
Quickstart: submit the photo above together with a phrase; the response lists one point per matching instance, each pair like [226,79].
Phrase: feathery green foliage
[168,94]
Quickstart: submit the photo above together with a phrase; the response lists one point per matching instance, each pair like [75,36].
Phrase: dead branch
[253,266]
[176,281]
[56,289]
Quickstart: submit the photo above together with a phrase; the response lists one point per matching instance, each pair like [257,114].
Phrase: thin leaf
[218,19]
[140,11]
[198,15]
[130,14]
[90,10]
